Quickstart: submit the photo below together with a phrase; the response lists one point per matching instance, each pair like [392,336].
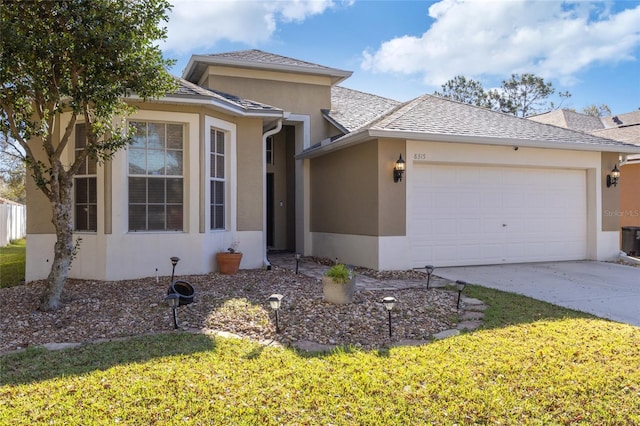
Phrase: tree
[464,90]
[83,57]
[521,95]
[597,111]
[12,172]
[525,95]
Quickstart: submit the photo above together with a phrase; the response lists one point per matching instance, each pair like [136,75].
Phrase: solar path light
[298,257]
[460,285]
[389,302]
[174,262]
[173,300]
[275,300]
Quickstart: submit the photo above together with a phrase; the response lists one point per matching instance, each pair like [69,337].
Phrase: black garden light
[429,269]
[298,257]
[174,262]
[389,302]
[173,300]
[275,301]
[460,285]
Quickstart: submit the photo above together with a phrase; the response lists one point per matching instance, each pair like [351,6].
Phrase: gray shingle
[439,116]
[352,109]
[569,120]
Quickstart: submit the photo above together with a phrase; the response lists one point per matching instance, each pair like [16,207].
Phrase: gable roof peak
[258,59]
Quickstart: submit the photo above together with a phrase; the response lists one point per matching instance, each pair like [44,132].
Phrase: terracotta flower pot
[228,263]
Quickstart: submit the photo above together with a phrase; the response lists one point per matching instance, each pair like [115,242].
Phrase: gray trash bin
[631,240]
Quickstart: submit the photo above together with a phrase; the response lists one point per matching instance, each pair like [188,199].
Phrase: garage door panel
[466,215]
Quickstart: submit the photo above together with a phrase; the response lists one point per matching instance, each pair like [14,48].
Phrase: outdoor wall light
[398,170]
[173,300]
[389,302]
[612,179]
[298,257]
[174,262]
[460,285]
[275,301]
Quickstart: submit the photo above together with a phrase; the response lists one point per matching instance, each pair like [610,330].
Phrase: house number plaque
[419,156]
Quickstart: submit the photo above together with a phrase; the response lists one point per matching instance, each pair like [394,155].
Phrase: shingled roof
[569,120]
[351,109]
[189,91]
[433,118]
[257,59]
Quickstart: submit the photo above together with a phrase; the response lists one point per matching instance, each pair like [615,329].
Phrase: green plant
[340,273]
[12,263]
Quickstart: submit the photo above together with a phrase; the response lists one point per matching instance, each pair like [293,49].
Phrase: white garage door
[475,215]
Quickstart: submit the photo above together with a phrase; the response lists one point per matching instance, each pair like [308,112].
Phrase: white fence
[13,223]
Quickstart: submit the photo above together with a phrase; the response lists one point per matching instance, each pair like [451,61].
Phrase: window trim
[166,177]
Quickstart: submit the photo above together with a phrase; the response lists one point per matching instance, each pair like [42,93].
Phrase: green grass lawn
[12,263]
[535,363]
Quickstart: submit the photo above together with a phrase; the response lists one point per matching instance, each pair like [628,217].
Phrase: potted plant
[338,284]
[229,261]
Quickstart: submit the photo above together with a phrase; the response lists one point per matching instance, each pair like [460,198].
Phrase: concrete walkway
[608,290]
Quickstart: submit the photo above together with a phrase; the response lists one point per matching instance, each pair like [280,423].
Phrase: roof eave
[337,75]
[218,104]
[367,134]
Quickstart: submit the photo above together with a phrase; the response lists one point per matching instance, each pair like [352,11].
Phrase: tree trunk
[63,248]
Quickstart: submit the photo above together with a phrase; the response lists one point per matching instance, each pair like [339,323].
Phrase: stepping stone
[446,333]
[471,315]
[309,346]
[469,325]
[409,342]
[471,301]
[60,346]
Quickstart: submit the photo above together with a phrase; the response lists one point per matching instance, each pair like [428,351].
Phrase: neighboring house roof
[434,118]
[351,109]
[629,134]
[190,93]
[569,120]
[257,59]
[626,119]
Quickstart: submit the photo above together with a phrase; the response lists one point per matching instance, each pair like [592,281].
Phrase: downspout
[265,135]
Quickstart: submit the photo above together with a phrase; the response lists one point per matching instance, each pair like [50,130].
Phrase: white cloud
[552,39]
[199,24]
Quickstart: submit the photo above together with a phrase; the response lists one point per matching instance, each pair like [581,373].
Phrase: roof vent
[616,120]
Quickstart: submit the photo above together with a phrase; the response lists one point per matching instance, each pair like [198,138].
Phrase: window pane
[137,218]
[174,218]
[156,136]
[174,163]
[155,162]
[139,138]
[219,166]
[174,191]
[137,162]
[81,218]
[220,142]
[91,182]
[93,217]
[81,190]
[156,217]
[156,190]
[81,136]
[219,192]
[92,166]
[137,190]
[174,136]
[219,217]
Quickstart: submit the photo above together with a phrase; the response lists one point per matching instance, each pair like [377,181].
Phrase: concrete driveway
[607,290]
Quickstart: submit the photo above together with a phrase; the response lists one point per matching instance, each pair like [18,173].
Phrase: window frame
[151,178]
[87,173]
[214,177]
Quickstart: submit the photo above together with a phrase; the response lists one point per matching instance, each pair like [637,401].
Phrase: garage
[480,215]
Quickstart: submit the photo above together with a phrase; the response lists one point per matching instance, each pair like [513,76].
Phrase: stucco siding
[629,187]
[611,195]
[344,191]
[250,179]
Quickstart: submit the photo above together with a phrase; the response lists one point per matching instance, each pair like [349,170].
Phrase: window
[217,179]
[156,177]
[84,184]
[269,150]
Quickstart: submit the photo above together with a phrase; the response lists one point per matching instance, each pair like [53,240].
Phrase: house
[624,128]
[271,152]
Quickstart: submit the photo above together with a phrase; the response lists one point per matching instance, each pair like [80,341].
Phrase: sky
[404,49]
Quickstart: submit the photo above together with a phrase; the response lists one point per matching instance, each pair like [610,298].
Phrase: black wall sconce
[612,179]
[398,170]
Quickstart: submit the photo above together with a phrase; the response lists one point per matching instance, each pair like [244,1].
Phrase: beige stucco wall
[353,192]
[250,175]
[299,97]
[629,188]
[610,196]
